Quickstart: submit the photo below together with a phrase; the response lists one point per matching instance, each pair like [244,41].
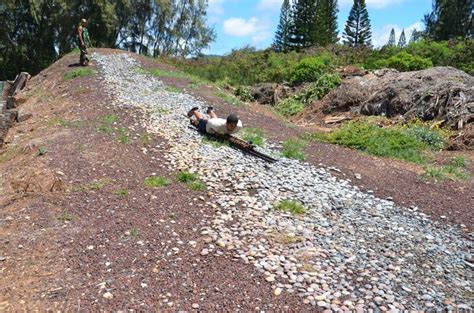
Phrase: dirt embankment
[79,230]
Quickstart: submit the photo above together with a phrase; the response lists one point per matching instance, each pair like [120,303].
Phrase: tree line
[35,33]
[306,23]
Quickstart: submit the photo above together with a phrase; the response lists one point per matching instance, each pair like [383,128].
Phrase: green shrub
[289,106]
[186,177]
[442,173]
[294,149]
[244,94]
[321,87]
[459,161]
[290,206]
[310,69]
[433,137]
[404,61]
[385,142]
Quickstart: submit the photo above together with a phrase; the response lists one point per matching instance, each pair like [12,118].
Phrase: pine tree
[282,35]
[415,35]
[402,41]
[449,19]
[301,30]
[357,32]
[325,23]
[391,39]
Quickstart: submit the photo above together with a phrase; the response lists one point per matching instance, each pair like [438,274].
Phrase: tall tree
[450,19]
[282,36]
[391,39]
[402,41]
[302,16]
[415,35]
[357,32]
[325,23]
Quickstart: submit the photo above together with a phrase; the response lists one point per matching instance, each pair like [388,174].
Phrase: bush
[294,149]
[244,94]
[404,61]
[310,69]
[321,87]
[290,206]
[289,106]
[435,138]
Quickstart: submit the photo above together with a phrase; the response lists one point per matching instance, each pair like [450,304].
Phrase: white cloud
[216,7]
[257,29]
[266,5]
[380,37]
[376,4]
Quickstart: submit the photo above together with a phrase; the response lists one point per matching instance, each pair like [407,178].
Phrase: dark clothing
[83,59]
[202,125]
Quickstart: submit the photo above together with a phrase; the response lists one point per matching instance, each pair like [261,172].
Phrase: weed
[290,206]
[244,94]
[434,137]
[106,122]
[57,121]
[156,181]
[229,98]
[122,192]
[66,217]
[255,135]
[459,161]
[123,136]
[197,185]
[146,139]
[294,149]
[285,238]
[442,173]
[140,70]
[195,85]
[174,89]
[42,151]
[289,106]
[79,72]
[95,185]
[186,177]
[134,232]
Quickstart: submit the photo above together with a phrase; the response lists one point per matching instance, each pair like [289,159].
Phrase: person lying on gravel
[215,125]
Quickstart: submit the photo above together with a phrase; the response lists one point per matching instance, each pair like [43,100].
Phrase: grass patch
[192,180]
[290,206]
[289,106]
[134,232]
[459,161]
[255,135]
[284,238]
[42,151]
[385,142]
[79,72]
[294,149]
[156,181]
[95,185]
[215,142]
[66,217]
[123,136]
[195,85]
[229,98]
[453,171]
[174,89]
[122,192]
[106,122]
[57,121]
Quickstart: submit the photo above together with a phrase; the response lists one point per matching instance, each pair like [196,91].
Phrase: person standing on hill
[84,39]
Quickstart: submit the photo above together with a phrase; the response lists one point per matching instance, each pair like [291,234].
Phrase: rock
[277,291]
[204,252]
[108,295]
[195,306]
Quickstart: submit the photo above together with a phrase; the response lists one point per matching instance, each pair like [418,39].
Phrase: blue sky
[253,22]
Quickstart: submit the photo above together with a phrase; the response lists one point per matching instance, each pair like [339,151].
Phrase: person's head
[232,121]
[84,22]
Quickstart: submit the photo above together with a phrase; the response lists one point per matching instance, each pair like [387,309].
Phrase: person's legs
[212,114]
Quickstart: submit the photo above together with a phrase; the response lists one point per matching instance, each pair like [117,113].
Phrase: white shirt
[219,126]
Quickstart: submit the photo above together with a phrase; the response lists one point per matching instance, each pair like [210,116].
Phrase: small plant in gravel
[186,177]
[79,72]
[57,121]
[289,106]
[174,89]
[285,238]
[294,149]
[290,206]
[134,232]
[442,173]
[255,135]
[156,181]
[229,98]
[66,217]
[122,192]
[106,122]
[123,136]
[215,142]
[197,185]
[95,185]
[459,161]
[42,151]
[146,140]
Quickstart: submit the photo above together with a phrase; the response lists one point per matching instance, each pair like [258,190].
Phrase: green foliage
[321,87]
[294,149]
[244,94]
[386,142]
[79,72]
[434,137]
[310,69]
[156,181]
[459,161]
[186,177]
[106,122]
[216,142]
[291,206]
[197,186]
[122,192]
[404,61]
[282,35]
[255,135]
[57,121]
[66,217]
[42,151]
[95,185]
[174,89]
[442,173]
[227,97]
[123,136]
[134,232]
[289,106]
[357,32]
